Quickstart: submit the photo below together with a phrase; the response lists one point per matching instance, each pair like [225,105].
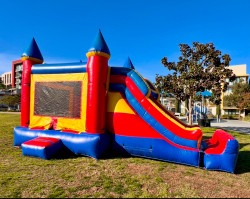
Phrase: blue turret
[33,53]
[128,64]
[99,47]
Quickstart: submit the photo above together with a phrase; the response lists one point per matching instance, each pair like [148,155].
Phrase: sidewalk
[6,112]
[233,125]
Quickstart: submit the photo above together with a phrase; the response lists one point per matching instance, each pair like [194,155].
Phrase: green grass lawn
[114,177]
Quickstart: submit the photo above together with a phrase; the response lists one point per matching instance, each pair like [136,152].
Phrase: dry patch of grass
[114,177]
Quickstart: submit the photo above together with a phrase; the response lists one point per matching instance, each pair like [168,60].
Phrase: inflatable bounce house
[92,109]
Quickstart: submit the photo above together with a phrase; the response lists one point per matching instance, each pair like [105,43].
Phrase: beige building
[7,79]
[241,76]
[13,79]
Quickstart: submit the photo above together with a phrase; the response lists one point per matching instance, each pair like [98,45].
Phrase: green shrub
[230,117]
[247,118]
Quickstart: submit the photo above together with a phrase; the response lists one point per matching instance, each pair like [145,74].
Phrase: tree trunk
[190,118]
[177,106]
[218,112]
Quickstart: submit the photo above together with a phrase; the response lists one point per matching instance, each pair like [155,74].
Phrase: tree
[2,86]
[10,100]
[177,105]
[200,67]
[239,98]
[245,103]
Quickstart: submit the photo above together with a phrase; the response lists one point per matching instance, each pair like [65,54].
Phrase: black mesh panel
[61,99]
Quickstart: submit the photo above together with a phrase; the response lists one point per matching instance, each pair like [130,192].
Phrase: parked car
[3,107]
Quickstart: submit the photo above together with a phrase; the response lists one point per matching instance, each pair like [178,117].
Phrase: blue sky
[144,30]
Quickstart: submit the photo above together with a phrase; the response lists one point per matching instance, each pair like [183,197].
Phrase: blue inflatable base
[155,149]
[224,162]
[92,145]
[96,146]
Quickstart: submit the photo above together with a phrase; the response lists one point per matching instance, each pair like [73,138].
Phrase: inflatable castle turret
[30,57]
[98,74]
[129,64]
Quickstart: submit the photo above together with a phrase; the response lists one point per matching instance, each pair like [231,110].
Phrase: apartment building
[241,76]
[17,68]
[13,79]
[7,79]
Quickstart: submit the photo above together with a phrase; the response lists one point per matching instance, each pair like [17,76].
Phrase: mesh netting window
[61,99]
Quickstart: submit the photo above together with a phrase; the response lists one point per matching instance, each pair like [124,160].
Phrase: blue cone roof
[99,44]
[33,51]
[128,64]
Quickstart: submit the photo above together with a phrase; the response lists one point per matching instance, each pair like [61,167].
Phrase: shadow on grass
[243,163]
[64,153]
[116,155]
